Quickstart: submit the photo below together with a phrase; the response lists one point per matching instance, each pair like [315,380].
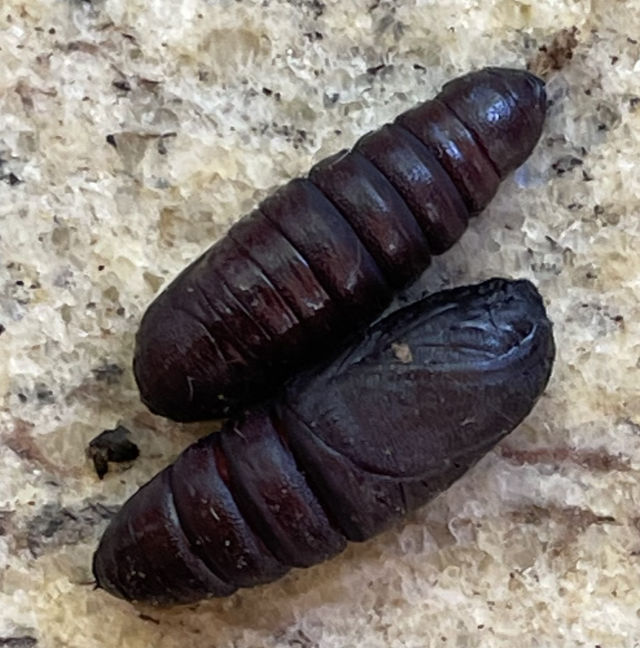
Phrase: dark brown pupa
[323,255]
[348,447]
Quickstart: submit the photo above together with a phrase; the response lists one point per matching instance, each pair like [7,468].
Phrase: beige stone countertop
[211,104]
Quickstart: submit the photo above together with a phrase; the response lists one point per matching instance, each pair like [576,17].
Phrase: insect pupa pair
[381,425]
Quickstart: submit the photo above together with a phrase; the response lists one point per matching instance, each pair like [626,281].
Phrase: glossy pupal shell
[323,255]
[378,430]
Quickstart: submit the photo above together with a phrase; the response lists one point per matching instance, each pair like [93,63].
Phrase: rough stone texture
[212,104]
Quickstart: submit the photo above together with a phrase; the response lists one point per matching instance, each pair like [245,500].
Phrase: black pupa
[323,255]
[348,447]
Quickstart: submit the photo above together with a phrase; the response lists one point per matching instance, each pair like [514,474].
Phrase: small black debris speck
[267,92]
[13,179]
[101,267]
[2,329]
[111,140]
[111,445]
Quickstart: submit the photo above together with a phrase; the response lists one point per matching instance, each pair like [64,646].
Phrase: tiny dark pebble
[13,179]
[2,329]
[111,140]
[111,445]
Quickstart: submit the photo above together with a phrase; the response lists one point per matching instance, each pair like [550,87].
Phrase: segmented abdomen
[323,254]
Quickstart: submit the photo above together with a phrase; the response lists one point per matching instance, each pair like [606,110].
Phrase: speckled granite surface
[210,105]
